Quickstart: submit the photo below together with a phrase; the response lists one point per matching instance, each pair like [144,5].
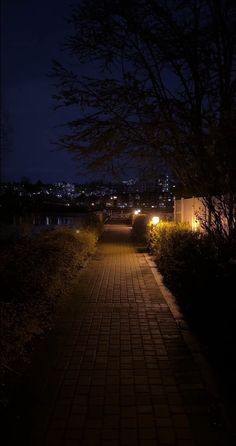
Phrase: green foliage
[94,223]
[35,276]
[31,267]
[183,256]
[197,271]
[165,234]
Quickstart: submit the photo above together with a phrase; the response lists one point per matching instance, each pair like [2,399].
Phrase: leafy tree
[164,87]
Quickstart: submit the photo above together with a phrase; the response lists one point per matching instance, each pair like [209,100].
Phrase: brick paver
[118,369]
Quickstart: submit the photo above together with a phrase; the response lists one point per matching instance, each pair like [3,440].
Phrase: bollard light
[155,220]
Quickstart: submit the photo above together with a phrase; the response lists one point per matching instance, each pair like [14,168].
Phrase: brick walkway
[118,370]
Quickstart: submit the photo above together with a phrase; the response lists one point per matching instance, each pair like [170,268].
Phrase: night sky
[31,35]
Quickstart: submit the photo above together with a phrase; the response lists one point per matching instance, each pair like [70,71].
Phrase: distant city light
[128,194]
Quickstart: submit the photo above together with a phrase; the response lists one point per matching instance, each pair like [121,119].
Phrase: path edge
[206,371]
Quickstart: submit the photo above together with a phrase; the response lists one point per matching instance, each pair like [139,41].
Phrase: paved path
[118,369]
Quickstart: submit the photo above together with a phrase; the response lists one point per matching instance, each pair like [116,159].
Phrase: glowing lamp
[155,220]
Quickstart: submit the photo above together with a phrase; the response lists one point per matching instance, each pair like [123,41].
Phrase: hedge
[197,271]
[35,275]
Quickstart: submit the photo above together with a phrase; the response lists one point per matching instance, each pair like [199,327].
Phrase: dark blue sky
[31,35]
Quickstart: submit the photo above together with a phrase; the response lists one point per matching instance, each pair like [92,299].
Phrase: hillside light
[155,220]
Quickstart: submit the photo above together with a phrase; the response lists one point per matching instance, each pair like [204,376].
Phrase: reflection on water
[13,227]
[57,220]
[52,219]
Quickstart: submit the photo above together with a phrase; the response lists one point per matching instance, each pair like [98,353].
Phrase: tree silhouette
[163,88]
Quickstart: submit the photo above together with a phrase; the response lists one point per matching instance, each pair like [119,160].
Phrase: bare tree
[164,88]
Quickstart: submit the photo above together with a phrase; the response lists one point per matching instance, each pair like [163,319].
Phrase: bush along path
[36,275]
[116,368]
[201,272]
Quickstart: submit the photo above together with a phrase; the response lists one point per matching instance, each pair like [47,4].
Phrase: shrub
[94,223]
[197,271]
[186,259]
[139,227]
[33,266]
[35,276]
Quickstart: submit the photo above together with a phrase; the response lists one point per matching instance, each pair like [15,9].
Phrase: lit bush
[201,275]
[187,259]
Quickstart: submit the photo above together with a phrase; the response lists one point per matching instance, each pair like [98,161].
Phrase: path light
[137,211]
[155,220]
